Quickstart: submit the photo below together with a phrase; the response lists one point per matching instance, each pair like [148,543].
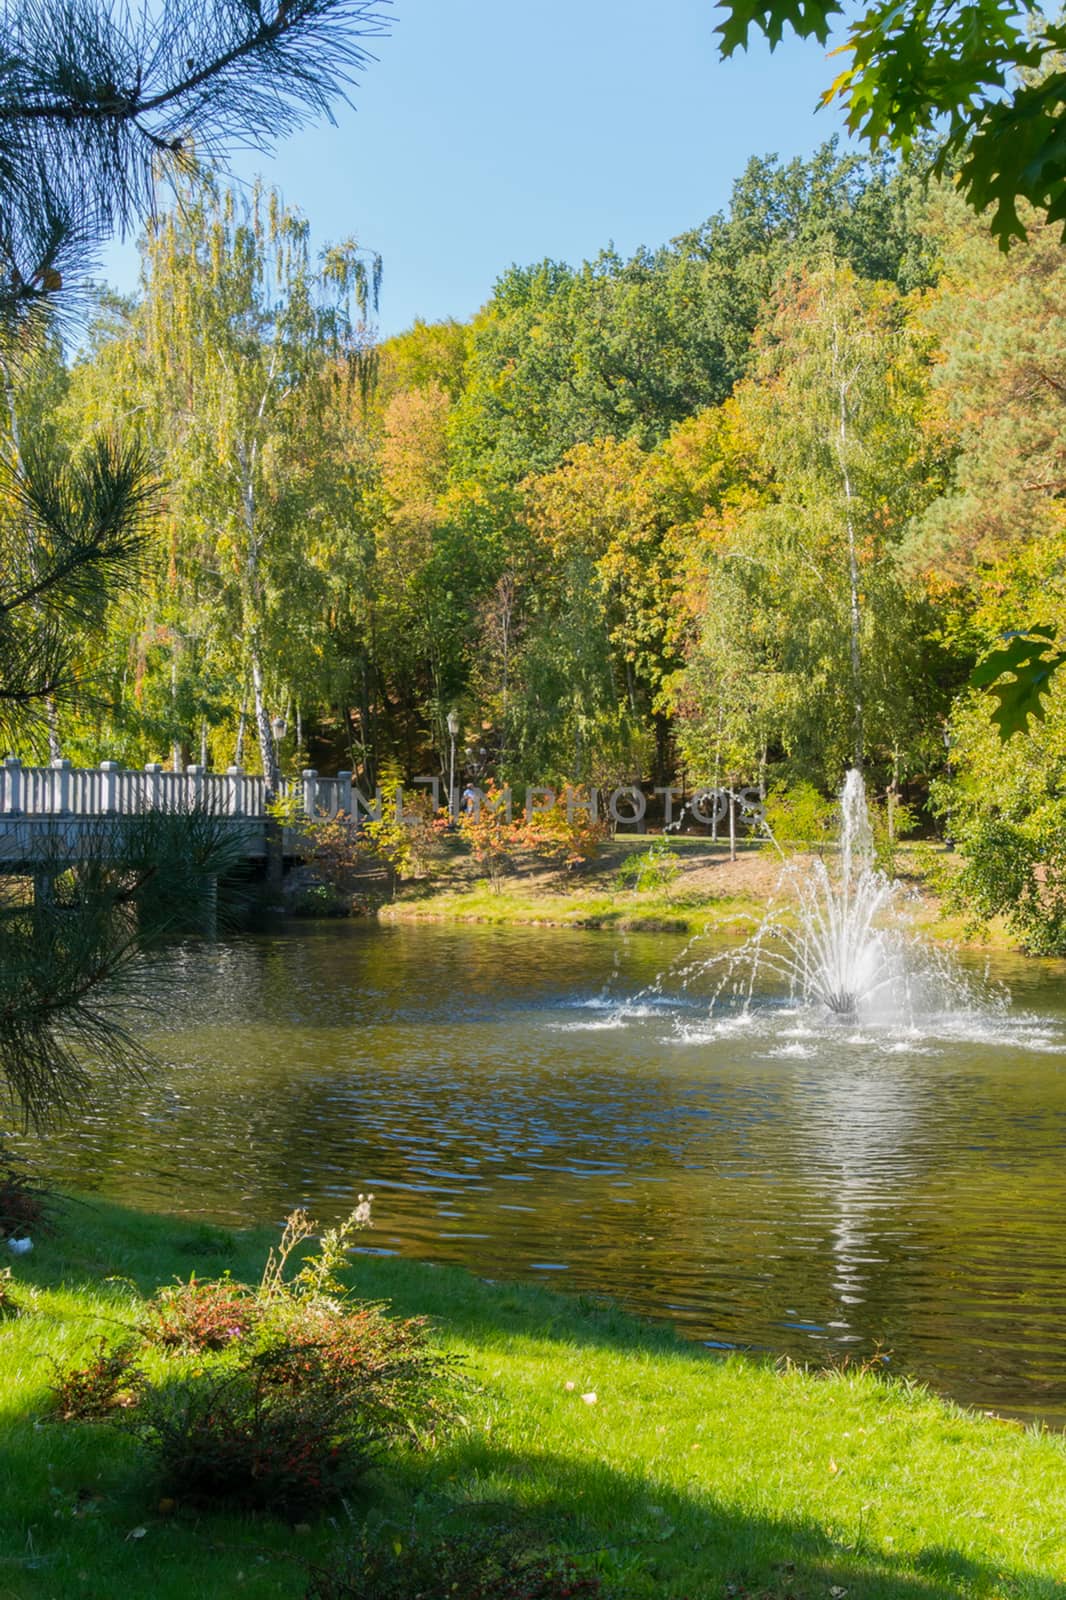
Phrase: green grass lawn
[581,907]
[710,895]
[691,1476]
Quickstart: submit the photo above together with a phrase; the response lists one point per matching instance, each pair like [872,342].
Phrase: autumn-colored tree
[492,835]
[810,620]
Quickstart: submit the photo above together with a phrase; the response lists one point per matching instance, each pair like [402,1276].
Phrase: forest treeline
[743,509]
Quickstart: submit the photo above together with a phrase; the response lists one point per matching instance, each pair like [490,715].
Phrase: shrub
[25,1204]
[296,1422]
[318,900]
[1017,871]
[409,833]
[291,1389]
[491,835]
[565,831]
[200,1315]
[654,868]
[800,816]
[108,1385]
[334,845]
[488,1565]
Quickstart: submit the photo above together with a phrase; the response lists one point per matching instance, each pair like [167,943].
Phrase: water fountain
[838,939]
[834,950]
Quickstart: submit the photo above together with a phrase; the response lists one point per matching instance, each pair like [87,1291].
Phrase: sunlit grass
[593,898]
[690,1472]
[580,907]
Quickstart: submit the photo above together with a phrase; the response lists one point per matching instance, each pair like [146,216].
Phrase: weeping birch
[248,343]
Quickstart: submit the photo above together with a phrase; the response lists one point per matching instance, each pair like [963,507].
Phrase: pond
[761,1181]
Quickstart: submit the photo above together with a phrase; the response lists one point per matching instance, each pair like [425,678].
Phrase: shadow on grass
[648,1540]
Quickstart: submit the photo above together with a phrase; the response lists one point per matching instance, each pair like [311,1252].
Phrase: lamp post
[453,733]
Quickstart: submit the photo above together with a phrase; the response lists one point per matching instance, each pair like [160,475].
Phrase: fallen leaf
[136,1533]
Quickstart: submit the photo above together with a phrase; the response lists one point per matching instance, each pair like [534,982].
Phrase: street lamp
[453,733]
[278,727]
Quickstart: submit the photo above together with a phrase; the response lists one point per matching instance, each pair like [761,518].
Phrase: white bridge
[59,809]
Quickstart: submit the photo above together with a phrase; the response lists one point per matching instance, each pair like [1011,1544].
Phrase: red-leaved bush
[25,1204]
[108,1384]
[207,1314]
[296,1421]
[280,1395]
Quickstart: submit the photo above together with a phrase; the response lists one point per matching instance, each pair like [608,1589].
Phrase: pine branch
[106,101]
[90,519]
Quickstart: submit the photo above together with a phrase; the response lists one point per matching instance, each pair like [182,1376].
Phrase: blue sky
[495,131]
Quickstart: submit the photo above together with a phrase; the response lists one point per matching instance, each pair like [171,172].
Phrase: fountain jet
[832,948]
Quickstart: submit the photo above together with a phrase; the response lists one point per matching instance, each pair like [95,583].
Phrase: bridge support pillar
[44,890]
[275,855]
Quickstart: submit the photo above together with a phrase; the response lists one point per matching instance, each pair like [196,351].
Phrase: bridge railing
[111,790]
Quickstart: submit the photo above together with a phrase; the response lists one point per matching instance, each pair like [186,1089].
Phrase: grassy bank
[691,1475]
[582,905]
[711,893]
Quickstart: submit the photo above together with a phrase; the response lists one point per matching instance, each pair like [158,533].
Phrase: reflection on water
[759,1180]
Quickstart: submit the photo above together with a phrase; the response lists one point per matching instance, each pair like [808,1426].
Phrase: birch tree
[249,346]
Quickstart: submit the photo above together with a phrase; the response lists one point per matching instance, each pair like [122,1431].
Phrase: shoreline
[711,894]
[690,1472]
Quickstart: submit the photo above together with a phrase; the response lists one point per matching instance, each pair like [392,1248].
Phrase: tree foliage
[984,76]
[97,100]
[741,510]
[96,103]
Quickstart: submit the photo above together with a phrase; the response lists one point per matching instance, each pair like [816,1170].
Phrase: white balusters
[61,804]
[62,790]
[109,787]
[12,801]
